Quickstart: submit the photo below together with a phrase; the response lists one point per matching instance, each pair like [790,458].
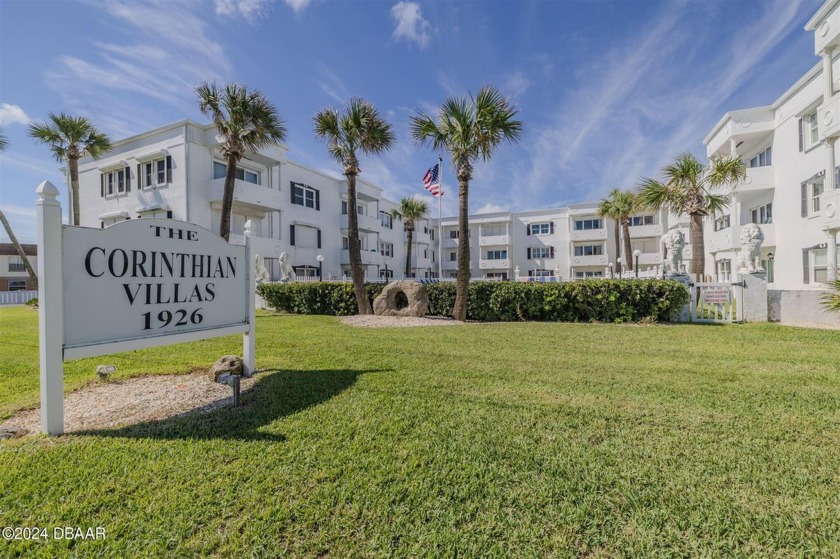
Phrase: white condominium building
[791,189]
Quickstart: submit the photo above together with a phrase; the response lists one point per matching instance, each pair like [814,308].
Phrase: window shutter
[128,179]
[292,235]
[529,253]
[801,136]
[551,227]
[102,180]
[292,191]
[527,228]
[804,187]
[168,168]
[806,267]
[837,177]
[317,200]
[551,249]
[139,174]
[319,238]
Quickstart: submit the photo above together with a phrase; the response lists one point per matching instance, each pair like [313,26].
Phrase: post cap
[47,191]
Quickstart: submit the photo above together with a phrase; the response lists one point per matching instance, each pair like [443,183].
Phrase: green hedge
[578,301]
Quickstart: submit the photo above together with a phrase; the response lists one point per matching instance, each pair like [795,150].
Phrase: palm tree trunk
[462,282]
[73,163]
[355,247]
[617,247]
[227,197]
[19,250]
[628,252]
[698,252]
[410,231]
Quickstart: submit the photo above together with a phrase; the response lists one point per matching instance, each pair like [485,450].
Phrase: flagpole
[440,226]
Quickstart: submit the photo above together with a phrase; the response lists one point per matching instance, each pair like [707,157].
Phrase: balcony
[758,178]
[599,260]
[450,264]
[830,208]
[268,248]
[492,240]
[589,235]
[739,125]
[450,243]
[247,194]
[502,264]
[640,231]
[366,223]
[649,259]
[369,258]
[730,238]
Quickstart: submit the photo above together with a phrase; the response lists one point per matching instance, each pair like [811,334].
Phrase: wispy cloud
[13,114]
[297,5]
[636,106]
[516,84]
[249,10]
[174,51]
[410,25]
[332,85]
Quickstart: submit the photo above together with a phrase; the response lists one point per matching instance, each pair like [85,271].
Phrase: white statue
[262,274]
[287,273]
[750,256]
[674,242]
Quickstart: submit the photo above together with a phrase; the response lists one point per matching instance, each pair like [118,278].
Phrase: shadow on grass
[274,395]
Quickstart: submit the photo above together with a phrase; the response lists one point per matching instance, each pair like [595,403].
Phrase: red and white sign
[717,295]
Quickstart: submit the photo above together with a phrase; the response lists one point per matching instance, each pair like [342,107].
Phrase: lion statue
[262,274]
[750,256]
[287,273]
[674,242]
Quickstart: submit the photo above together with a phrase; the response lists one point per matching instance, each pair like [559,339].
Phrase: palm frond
[4,143]
[69,136]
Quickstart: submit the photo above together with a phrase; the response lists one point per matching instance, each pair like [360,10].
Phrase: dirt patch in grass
[117,403]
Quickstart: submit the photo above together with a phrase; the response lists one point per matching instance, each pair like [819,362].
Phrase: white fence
[17,297]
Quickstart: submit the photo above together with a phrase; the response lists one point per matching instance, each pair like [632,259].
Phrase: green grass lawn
[490,440]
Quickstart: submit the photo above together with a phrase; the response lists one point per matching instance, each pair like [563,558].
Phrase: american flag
[432,182]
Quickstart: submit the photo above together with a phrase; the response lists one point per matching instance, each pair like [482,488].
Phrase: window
[453,234]
[540,273]
[638,220]
[220,171]
[587,224]
[589,274]
[385,219]
[494,230]
[345,243]
[16,264]
[386,274]
[360,209]
[425,253]
[387,249]
[498,276]
[541,228]
[762,214]
[647,245]
[344,207]
[762,159]
[17,285]
[116,182]
[722,223]
[724,269]
[158,172]
[816,188]
[432,234]
[306,196]
[541,252]
[819,258]
[453,256]
[496,254]
[589,250]
[812,132]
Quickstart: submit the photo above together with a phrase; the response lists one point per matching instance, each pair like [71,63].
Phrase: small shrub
[579,301]
[831,299]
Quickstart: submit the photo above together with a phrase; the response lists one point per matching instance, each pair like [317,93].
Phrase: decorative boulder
[230,364]
[418,299]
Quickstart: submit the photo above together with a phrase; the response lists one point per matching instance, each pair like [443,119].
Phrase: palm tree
[3,145]
[247,121]
[831,299]
[70,138]
[620,207]
[688,188]
[410,209]
[467,128]
[357,128]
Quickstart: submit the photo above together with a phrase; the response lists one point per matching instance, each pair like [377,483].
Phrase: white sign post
[136,284]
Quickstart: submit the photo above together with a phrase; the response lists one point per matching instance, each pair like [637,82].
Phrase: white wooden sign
[137,284]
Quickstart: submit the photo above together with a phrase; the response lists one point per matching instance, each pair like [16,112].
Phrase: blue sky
[608,90]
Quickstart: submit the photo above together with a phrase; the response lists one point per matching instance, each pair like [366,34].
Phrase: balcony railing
[494,264]
[247,193]
[16,267]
